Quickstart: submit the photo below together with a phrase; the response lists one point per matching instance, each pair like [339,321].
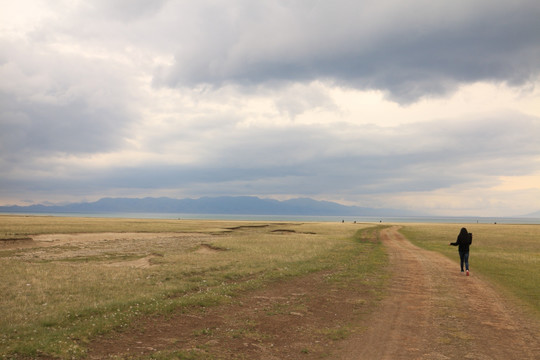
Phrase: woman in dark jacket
[463,241]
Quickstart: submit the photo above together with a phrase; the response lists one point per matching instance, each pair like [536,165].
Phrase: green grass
[509,255]
[56,299]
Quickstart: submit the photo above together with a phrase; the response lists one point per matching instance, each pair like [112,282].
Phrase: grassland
[60,291]
[508,255]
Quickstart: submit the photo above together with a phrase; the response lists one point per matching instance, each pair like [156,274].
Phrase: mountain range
[235,205]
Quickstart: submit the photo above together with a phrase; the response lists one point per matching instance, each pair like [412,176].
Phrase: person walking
[464,240]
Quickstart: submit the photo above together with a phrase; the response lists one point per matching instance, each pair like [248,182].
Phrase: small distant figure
[464,240]
[342,221]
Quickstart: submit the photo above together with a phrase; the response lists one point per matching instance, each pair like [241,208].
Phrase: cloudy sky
[431,106]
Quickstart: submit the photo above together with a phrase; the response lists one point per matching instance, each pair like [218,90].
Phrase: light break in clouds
[430,106]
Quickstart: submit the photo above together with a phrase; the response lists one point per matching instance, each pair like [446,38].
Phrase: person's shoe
[461,271]
[467,272]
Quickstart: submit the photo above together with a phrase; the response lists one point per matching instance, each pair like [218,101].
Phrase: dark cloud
[43,128]
[410,50]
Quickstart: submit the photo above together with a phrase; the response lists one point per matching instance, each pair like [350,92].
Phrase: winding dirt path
[432,311]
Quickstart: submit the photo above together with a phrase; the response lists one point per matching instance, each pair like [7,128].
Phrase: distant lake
[313,218]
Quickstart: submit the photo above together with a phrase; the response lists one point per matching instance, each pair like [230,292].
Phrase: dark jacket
[464,239]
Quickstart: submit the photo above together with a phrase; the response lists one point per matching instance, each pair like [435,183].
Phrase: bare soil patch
[16,243]
[83,245]
[142,263]
[209,249]
[86,238]
[300,318]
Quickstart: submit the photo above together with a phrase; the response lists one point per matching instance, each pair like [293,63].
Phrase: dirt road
[432,311]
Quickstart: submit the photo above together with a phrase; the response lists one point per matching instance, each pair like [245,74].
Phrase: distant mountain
[535,214]
[236,205]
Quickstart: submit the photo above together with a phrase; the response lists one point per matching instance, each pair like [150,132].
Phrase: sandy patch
[104,246]
[59,239]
